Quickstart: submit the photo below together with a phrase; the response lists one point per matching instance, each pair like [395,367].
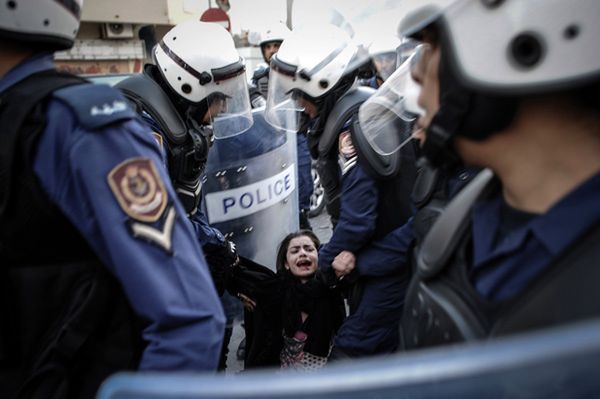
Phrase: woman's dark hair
[283,247]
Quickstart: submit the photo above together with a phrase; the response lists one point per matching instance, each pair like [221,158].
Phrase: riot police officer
[375,254]
[192,94]
[313,68]
[515,250]
[384,53]
[101,269]
[270,41]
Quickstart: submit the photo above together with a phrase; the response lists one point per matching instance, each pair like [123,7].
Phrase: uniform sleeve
[388,255]
[161,269]
[305,181]
[206,234]
[358,216]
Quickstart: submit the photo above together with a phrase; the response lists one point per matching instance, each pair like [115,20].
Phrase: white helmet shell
[190,55]
[51,22]
[198,59]
[275,33]
[521,47]
[321,57]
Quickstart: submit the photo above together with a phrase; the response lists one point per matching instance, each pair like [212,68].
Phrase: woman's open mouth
[304,263]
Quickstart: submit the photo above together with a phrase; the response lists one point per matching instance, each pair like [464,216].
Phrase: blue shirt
[172,290]
[501,271]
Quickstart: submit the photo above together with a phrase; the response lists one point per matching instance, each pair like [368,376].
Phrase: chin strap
[465,112]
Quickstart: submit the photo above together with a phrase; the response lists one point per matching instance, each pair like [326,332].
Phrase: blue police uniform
[305,180]
[383,264]
[206,234]
[503,269]
[506,271]
[391,254]
[372,82]
[373,326]
[89,138]
[358,216]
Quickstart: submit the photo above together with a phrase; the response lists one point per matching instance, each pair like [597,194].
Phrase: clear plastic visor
[387,117]
[283,110]
[385,64]
[229,109]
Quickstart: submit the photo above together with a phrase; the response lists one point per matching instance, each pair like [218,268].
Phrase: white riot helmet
[199,61]
[274,34]
[311,63]
[522,47]
[53,23]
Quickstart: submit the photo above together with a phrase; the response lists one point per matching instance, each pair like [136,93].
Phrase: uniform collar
[572,216]
[555,230]
[31,65]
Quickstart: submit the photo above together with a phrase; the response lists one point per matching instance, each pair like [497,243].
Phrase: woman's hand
[343,263]
[248,303]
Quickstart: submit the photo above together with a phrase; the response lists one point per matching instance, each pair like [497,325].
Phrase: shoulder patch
[139,189]
[96,105]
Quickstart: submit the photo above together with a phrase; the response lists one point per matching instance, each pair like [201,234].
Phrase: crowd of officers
[485,224]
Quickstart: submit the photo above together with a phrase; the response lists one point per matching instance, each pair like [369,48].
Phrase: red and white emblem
[139,189]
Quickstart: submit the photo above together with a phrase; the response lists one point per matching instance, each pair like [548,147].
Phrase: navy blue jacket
[172,290]
[373,327]
[305,180]
[384,267]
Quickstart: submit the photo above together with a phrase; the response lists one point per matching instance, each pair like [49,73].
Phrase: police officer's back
[100,270]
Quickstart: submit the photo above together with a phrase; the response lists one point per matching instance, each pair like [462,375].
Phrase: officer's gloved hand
[221,260]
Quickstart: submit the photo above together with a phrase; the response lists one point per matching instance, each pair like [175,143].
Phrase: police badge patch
[142,195]
[139,189]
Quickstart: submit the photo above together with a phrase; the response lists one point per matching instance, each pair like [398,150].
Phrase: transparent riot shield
[250,189]
[560,362]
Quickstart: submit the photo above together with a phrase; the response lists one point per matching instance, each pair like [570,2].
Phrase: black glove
[221,261]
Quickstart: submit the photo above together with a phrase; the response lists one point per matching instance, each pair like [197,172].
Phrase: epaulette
[95,105]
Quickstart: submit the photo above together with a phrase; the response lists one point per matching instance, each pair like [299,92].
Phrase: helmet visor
[387,117]
[385,64]
[229,107]
[283,110]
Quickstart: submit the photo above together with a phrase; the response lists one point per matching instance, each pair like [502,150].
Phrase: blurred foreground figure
[517,249]
[101,269]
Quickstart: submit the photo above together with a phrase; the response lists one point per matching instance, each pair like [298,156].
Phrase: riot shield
[250,189]
[559,362]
